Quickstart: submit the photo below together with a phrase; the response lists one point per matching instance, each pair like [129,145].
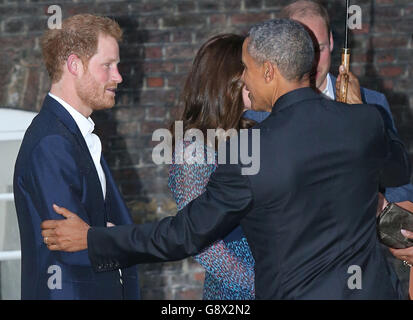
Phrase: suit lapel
[116,209]
[64,117]
[54,107]
[109,186]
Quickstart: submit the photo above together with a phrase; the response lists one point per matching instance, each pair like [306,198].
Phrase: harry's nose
[116,76]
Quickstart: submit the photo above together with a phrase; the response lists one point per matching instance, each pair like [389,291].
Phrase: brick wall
[161,38]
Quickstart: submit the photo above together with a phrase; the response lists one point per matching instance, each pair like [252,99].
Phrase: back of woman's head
[212,95]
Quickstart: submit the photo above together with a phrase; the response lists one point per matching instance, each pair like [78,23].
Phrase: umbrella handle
[345,61]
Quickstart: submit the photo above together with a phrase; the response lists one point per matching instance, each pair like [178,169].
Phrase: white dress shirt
[328,92]
[86,127]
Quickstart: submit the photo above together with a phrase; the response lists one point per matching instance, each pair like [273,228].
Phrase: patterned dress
[228,263]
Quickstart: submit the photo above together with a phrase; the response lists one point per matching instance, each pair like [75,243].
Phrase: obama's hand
[353,89]
[69,234]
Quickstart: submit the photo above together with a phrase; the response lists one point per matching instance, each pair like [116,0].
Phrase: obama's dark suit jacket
[309,214]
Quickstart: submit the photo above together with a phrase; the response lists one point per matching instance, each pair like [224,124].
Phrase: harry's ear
[74,64]
[269,71]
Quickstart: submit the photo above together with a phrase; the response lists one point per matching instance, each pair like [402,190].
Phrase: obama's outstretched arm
[211,216]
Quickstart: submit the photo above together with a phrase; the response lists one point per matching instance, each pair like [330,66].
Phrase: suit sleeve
[211,216]
[55,178]
[397,168]
[374,97]
[404,192]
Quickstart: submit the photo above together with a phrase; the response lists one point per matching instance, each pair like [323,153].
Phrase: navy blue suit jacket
[397,194]
[309,214]
[54,165]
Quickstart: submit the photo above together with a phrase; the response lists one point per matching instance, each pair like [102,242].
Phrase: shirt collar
[86,125]
[329,90]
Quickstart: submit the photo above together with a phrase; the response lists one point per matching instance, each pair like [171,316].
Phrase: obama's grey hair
[285,43]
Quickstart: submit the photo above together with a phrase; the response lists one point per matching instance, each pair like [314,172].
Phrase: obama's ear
[269,71]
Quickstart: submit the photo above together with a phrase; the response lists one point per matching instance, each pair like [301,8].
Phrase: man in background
[60,161]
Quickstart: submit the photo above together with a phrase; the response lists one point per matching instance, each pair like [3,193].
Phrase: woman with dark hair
[213,98]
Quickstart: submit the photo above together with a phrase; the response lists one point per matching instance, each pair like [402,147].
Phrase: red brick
[253,4]
[408,11]
[177,81]
[128,114]
[208,5]
[157,36]
[388,84]
[189,294]
[183,67]
[32,86]
[180,52]
[390,42]
[231,4]
[153,52]
[183,21]
[157,96]
[176,112]
[199,276]
[388,12]
[153,67]
[149,22]
[390,71]
[182,36]
[186,6]
[13,26]
[127,128]
[154,82]
[365,29]
[359,57]
[384,58]
[148,127]
[217,19]
[383,27]
[249,18]
[155,112]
